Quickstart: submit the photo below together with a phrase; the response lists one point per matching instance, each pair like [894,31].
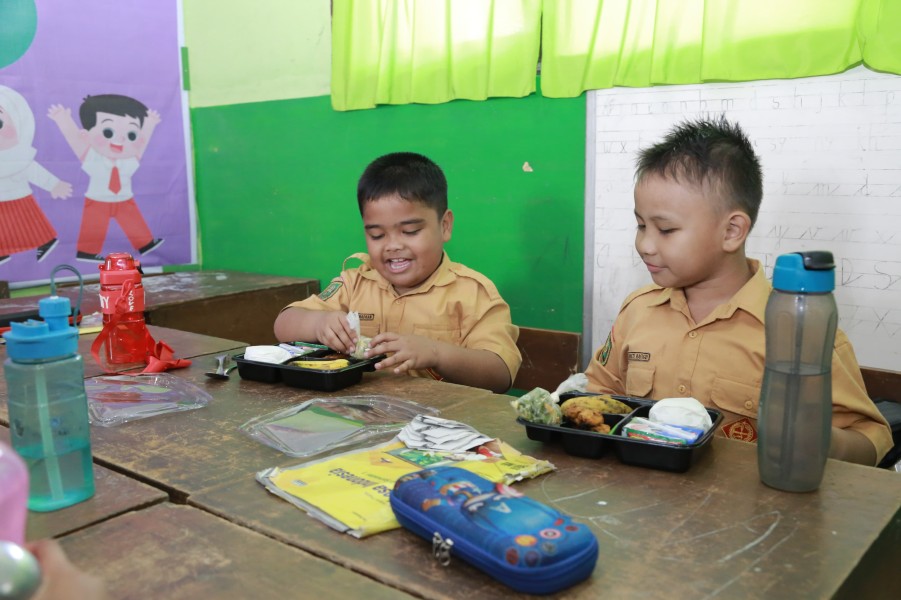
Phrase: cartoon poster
[92,137]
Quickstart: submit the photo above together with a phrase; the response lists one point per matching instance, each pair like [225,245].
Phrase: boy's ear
[447,225]
[738,226]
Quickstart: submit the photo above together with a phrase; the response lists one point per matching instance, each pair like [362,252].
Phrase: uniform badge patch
[604,354]
[743,430]
[330,290]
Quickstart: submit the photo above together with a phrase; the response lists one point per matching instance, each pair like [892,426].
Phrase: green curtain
[594,44]
[432,51]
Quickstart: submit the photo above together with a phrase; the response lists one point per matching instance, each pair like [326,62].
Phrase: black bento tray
[323,380]
[631,451]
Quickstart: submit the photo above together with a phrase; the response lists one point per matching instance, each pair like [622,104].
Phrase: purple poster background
[93,47]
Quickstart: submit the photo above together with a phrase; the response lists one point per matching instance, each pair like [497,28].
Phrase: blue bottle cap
[50,338]
[811,272]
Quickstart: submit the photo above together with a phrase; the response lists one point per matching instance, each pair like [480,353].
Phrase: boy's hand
[334,331]
[406,352]
[60,579]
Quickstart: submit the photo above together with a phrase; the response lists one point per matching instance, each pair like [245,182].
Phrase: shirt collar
[751,298]
[440,277]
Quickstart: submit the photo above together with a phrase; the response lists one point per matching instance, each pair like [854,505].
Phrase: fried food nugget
[585,418]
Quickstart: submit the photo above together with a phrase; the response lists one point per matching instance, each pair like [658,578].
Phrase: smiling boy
[432,317]
[699,329]
[116,132]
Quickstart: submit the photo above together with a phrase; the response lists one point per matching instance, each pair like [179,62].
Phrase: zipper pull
[441,549]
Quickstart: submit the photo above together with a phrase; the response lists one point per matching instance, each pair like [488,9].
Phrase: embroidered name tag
[640,356]
[367,316]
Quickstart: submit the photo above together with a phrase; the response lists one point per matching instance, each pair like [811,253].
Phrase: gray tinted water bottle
[795,417]
[48,407]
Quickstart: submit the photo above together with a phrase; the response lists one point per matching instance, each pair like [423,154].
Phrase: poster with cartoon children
[116,131]
[23,225]
[94,140]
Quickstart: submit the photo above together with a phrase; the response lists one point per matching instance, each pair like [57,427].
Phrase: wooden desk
[715,531]
[229,304]
[114,494]
[186,453]
[185,345]
[180,552]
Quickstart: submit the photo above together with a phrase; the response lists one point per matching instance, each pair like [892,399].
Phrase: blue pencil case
[527,545]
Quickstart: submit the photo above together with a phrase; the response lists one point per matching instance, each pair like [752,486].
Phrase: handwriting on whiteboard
[830,148]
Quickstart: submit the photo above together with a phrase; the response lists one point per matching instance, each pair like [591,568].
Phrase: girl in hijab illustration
[23,225]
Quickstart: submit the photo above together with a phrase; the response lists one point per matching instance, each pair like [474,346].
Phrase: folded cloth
[162,358]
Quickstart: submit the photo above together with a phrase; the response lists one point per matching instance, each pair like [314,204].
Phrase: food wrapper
[363,342]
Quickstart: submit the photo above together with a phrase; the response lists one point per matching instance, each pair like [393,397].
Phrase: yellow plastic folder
[349,492]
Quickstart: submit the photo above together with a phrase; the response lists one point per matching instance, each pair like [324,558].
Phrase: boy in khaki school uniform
[432,317]
[698,331]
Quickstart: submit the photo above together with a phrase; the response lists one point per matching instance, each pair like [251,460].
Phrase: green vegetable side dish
[538,406]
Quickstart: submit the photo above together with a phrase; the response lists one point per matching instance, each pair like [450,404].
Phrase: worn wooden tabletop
[114,494]
[184,344]
[180,552]
[712,532]
[229,304]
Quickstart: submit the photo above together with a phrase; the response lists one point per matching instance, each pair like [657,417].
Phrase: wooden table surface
[114,494]
[713,532]
[180,552]
[184,344]
[228,304]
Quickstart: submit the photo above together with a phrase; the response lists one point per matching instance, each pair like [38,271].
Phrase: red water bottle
[122,304]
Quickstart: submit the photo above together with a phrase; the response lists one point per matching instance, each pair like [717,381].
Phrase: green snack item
[538,406]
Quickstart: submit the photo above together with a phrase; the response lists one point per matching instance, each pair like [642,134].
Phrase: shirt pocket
[442,333]
[738,397]
[639,381]
[369,330]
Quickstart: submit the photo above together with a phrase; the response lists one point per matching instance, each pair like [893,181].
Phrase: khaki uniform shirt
[656,350]
[455,305]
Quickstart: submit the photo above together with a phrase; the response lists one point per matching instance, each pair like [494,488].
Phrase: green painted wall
[276,190]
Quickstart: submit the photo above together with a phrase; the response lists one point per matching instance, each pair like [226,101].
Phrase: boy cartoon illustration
[115,134]
[23,225]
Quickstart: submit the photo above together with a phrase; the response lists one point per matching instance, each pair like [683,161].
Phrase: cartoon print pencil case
[527,545]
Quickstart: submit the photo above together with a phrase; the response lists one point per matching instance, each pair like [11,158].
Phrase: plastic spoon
[20,574]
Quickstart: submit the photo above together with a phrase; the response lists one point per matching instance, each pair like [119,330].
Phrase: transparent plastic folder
[117,399]
[324,424]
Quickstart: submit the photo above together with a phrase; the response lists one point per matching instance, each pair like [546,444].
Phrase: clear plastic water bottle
[795,417]
[13,496]
[48,407]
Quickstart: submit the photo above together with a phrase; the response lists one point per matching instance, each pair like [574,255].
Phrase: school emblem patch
[743,430]
[330,290]
[604,354]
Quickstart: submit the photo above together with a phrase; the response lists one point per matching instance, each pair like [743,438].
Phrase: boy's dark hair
[113,104]
[411,176]
[711,151]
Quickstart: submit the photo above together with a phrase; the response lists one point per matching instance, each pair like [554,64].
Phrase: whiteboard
[830,148]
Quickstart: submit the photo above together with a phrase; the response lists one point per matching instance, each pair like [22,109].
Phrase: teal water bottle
[48,407]
[795,418]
